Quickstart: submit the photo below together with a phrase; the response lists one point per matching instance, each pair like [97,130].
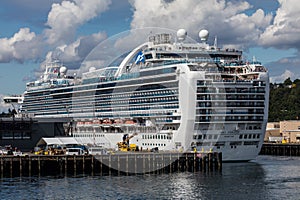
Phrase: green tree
[287,82]
[284,101]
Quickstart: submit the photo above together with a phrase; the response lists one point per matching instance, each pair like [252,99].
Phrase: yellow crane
[124,145]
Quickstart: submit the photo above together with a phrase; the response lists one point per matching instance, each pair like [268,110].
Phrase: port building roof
[68,141]
[58,141]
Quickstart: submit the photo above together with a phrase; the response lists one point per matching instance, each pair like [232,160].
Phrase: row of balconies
[229,97]
[227,104]
[229,90]
[229,118]
[233,113]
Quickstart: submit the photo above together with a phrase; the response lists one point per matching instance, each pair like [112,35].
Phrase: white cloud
[75,52]
[222,18]
[228,19]
[87,64]
[21,46]
[284,64]
[64,18]
[23,35]
[3,106]
[282,77]
[284,32]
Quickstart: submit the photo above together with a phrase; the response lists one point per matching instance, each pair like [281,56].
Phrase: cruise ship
[167,94]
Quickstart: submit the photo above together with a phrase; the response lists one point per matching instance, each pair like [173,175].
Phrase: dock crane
[124,145]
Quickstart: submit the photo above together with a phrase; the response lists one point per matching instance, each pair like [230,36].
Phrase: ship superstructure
[171,95]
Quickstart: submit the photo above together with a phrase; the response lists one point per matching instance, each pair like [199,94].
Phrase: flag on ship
[140,57]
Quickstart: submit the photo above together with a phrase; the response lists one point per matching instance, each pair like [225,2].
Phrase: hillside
[284,101]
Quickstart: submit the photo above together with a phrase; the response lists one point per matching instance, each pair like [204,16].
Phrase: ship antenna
[216,42]
[253,59]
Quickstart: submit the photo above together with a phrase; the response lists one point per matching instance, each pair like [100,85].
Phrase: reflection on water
[265,178]
[282,176]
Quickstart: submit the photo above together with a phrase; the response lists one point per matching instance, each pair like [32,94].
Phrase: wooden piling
[2,167]
[20,164]
[75,166]
[39,166]
[83,164]
[92,166]
[29,167]
[66,165]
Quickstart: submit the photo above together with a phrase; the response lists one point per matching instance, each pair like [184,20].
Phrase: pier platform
[112,164]
[280,149]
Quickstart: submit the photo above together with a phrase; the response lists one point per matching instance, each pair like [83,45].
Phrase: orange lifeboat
[96,121]
[80,123]
[107,121]
[88,123]
[129,122]
[119,121]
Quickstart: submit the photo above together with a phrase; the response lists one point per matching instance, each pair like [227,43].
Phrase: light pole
[94,126]
[70,132]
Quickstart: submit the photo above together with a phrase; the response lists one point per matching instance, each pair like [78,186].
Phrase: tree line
[284,101]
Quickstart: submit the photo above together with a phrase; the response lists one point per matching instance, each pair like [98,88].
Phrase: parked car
[97,151]
[75,151]
[6,150]
[17,153]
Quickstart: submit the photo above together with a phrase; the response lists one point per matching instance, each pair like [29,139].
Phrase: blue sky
[33,31]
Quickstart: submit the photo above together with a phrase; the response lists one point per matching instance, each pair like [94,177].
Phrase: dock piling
[280,149]
[117,164]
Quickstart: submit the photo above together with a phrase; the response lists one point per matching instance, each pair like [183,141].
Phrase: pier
[280,149]
[118,164]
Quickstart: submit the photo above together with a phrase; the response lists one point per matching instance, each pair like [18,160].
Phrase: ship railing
[168,61]
[136,129]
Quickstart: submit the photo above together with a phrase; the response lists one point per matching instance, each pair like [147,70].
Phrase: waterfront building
[287,131]
[290,130]
[273,133]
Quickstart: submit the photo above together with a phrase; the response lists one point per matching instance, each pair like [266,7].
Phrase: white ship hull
[176,100]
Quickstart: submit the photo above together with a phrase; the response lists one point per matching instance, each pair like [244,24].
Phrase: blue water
[266,177]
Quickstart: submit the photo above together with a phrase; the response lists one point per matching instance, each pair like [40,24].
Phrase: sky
[32,32]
